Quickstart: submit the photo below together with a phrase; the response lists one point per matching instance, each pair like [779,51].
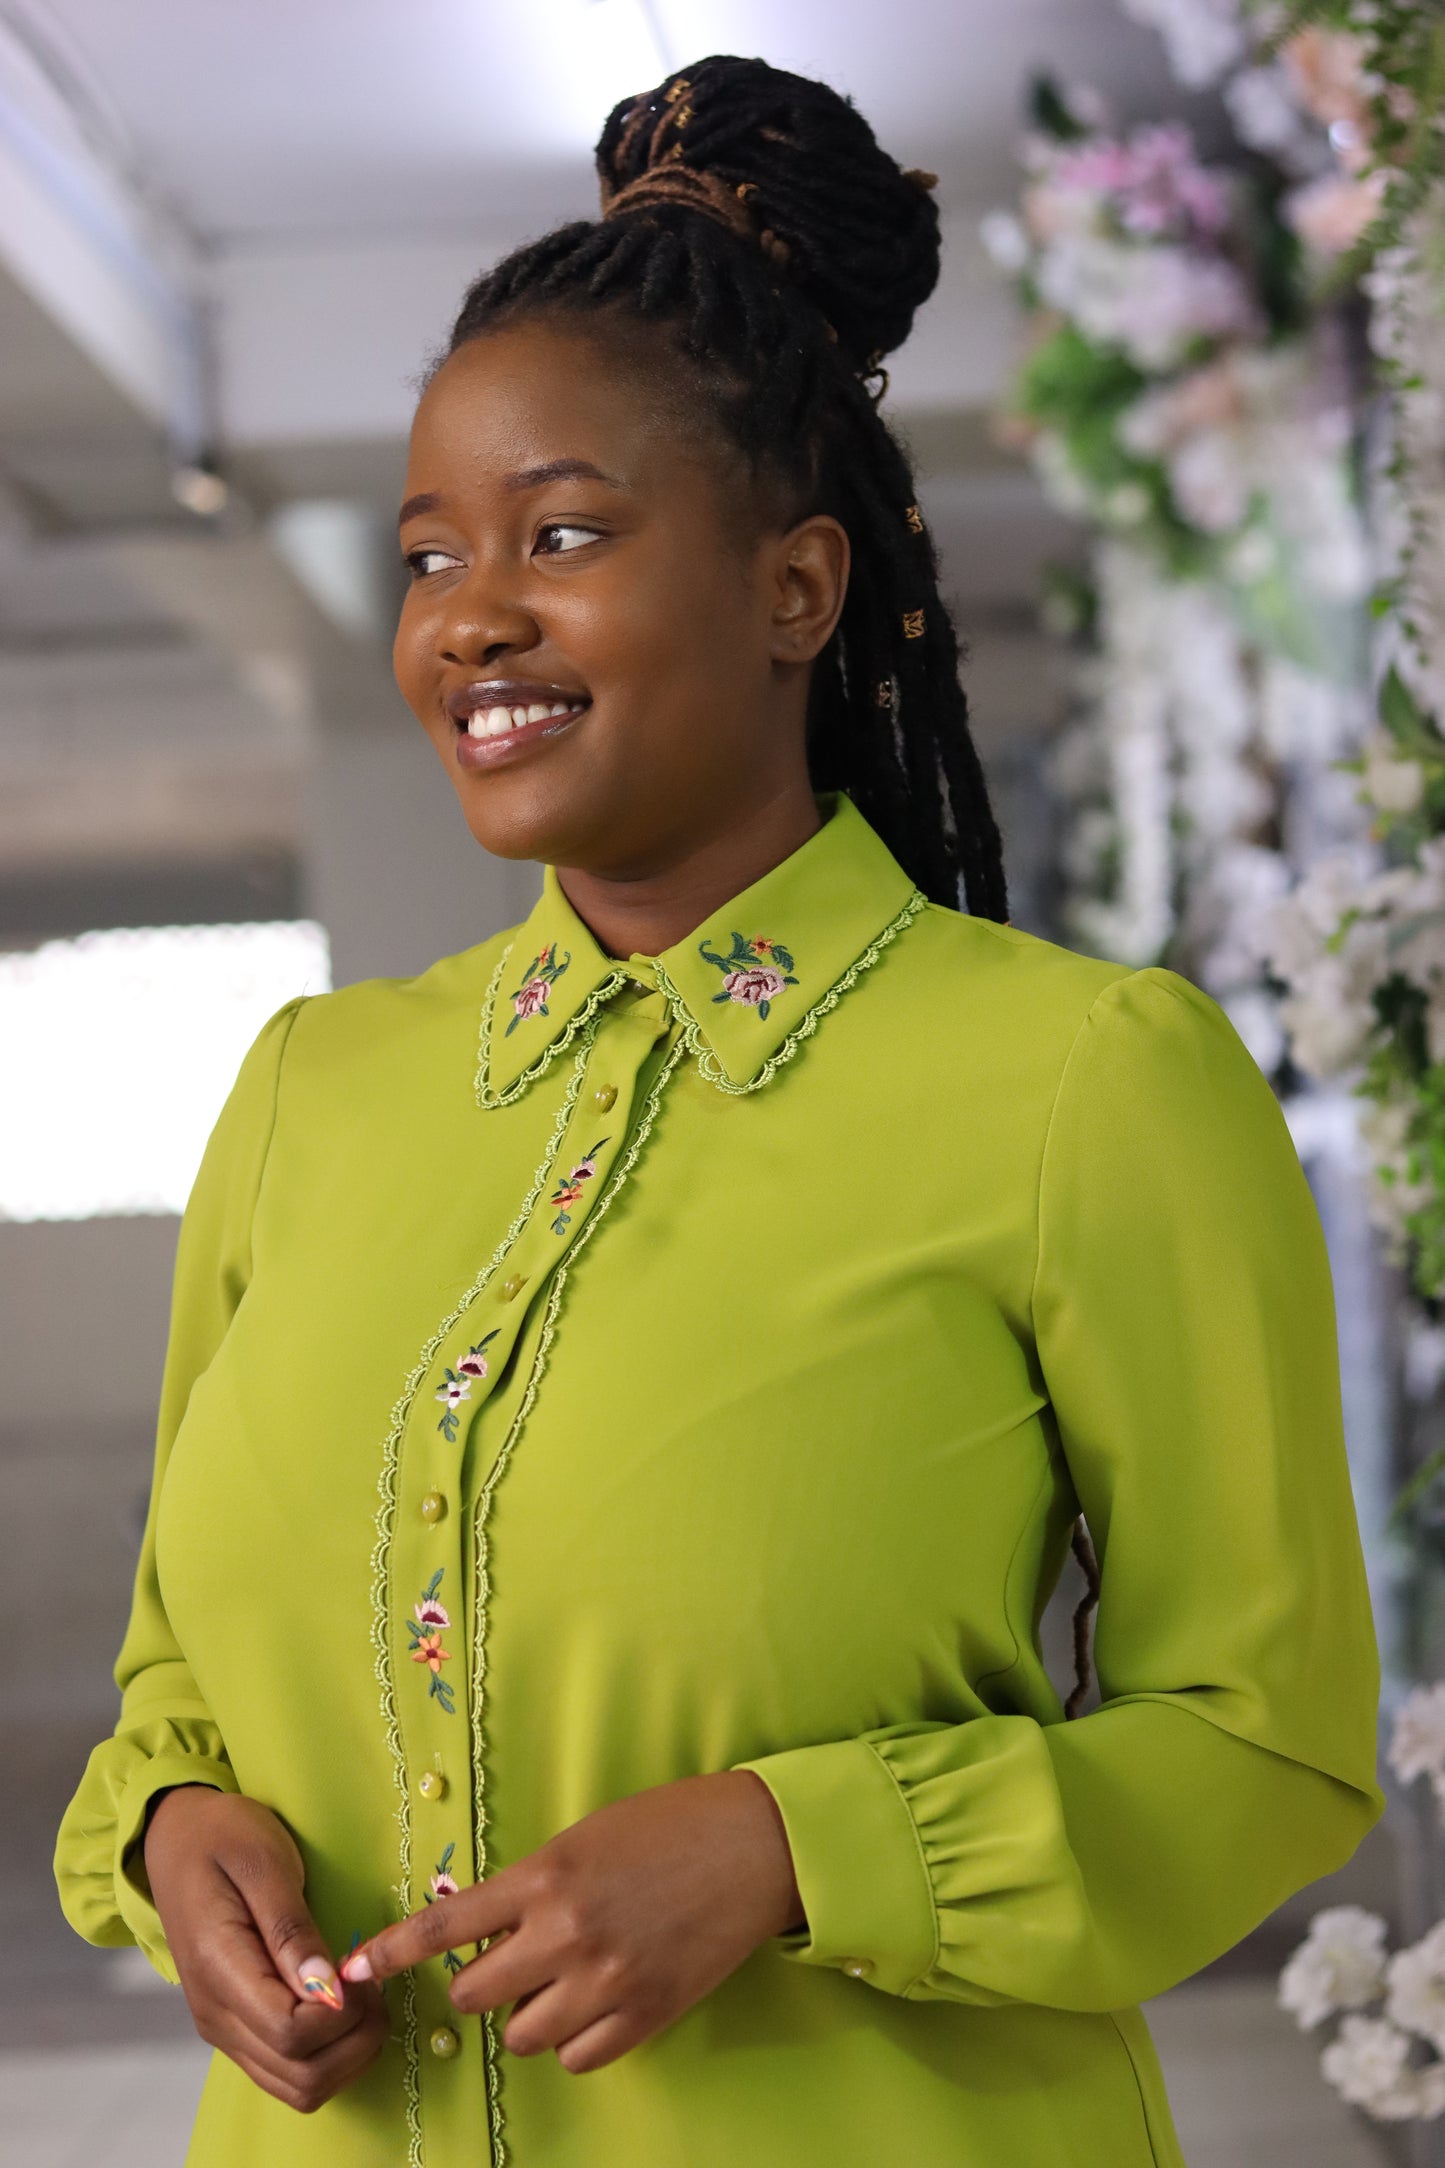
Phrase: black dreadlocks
[752,221]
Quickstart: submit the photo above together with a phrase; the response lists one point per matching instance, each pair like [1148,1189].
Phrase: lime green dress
[702,1367]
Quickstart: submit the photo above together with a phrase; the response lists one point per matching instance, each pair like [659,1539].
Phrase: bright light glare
[118,1049]
[599,52]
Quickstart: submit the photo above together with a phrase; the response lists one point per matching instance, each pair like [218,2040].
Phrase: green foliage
[1403,43]
[1049,112]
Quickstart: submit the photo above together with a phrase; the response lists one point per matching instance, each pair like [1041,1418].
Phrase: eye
[420,562]
[560,537]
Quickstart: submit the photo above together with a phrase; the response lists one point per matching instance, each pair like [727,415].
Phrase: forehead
[527,395]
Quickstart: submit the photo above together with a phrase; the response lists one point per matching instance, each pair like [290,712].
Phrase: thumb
[296,1945]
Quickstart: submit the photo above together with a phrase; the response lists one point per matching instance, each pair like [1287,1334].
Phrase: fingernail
[319,1982]
[356,1967]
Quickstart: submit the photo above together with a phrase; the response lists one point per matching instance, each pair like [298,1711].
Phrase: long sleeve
[1184,1324]
[165,1734]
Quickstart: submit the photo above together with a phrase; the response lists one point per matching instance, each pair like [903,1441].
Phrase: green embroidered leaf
[783,958]
[720,997]
[433,1585]
[763,1007]
[446,1859]
[413,1629]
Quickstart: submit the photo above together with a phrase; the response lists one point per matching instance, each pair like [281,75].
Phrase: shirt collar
[746,985]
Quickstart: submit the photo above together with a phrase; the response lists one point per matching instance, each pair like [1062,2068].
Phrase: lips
[495,707]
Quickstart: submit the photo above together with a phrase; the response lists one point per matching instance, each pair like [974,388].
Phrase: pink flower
[531,997]
[473,1365]
[431,1613]
[754,986]
[443,1885]
[1330,214]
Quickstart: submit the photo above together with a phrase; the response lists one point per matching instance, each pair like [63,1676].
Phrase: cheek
[411,659]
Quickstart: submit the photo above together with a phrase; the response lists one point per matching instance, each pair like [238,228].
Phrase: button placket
[437,1754]
[427,1574]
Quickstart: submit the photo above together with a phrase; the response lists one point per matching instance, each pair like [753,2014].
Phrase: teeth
[493,722]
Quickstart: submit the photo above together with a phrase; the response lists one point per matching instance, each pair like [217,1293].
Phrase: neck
[642,914]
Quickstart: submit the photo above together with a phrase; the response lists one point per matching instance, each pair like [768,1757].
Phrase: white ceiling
[329,174]
[275,118]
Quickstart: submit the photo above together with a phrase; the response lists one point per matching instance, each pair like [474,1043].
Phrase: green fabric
[964,1232]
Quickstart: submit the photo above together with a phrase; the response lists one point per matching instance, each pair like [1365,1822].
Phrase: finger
[556,2013]
[514,1966]
[472,1915]
[240,1974]
[598,2043]
[272,1890]
[306,2082]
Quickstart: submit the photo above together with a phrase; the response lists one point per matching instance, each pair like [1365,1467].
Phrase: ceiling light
[607,50]
[200,489]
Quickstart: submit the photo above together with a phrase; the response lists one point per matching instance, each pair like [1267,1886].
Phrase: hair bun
[796,166]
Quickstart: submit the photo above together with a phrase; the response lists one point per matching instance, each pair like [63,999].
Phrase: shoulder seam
[290,1010]
[1125,975]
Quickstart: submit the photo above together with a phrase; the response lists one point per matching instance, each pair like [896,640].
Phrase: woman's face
[609,656]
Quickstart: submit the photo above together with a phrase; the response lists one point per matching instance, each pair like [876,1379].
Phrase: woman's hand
[228,1884]
[616,1926]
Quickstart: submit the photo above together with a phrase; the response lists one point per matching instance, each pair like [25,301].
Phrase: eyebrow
[552,470]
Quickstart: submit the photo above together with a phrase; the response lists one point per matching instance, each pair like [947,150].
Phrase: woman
[755,1313]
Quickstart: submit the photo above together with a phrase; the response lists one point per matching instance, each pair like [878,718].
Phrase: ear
[810,571]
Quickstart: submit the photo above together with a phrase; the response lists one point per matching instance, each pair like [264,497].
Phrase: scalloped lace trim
[482,1566]
[482,1083]
[707,1061]
[708,1064]
[380,1572]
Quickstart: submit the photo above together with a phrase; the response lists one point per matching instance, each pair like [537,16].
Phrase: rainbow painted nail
[320,1984]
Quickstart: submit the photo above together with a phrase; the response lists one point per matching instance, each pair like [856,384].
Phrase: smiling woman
[749,1269]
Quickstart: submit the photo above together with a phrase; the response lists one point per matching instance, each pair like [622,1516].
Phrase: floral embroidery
[541,975]
[429,1621]
[456,1384]
[754,972]
[444,1884]
[569,1189]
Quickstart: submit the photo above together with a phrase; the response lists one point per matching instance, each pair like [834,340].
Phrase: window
[117,1051]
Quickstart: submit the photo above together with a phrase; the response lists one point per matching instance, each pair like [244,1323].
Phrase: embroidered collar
[746,986]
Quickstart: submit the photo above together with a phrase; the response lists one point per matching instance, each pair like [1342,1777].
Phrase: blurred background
[1176,418]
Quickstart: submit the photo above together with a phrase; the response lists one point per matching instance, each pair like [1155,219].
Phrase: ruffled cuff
[859,1863]
[99,1866]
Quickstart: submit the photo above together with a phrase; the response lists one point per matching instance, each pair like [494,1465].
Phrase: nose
[481,622]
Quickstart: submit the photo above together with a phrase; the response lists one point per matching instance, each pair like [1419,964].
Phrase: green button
[445,2044]
[512,1286]
[433,1508]
[604,1097]
[432,1784]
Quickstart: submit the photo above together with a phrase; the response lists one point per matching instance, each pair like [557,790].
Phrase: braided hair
[769,255]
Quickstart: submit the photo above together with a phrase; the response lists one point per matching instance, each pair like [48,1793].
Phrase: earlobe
[812,583]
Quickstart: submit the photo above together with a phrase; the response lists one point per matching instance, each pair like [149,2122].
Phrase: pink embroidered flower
[429,1651]
[530,998]
[430,1613]
[457,1389]
[444,1885]
[754,986]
